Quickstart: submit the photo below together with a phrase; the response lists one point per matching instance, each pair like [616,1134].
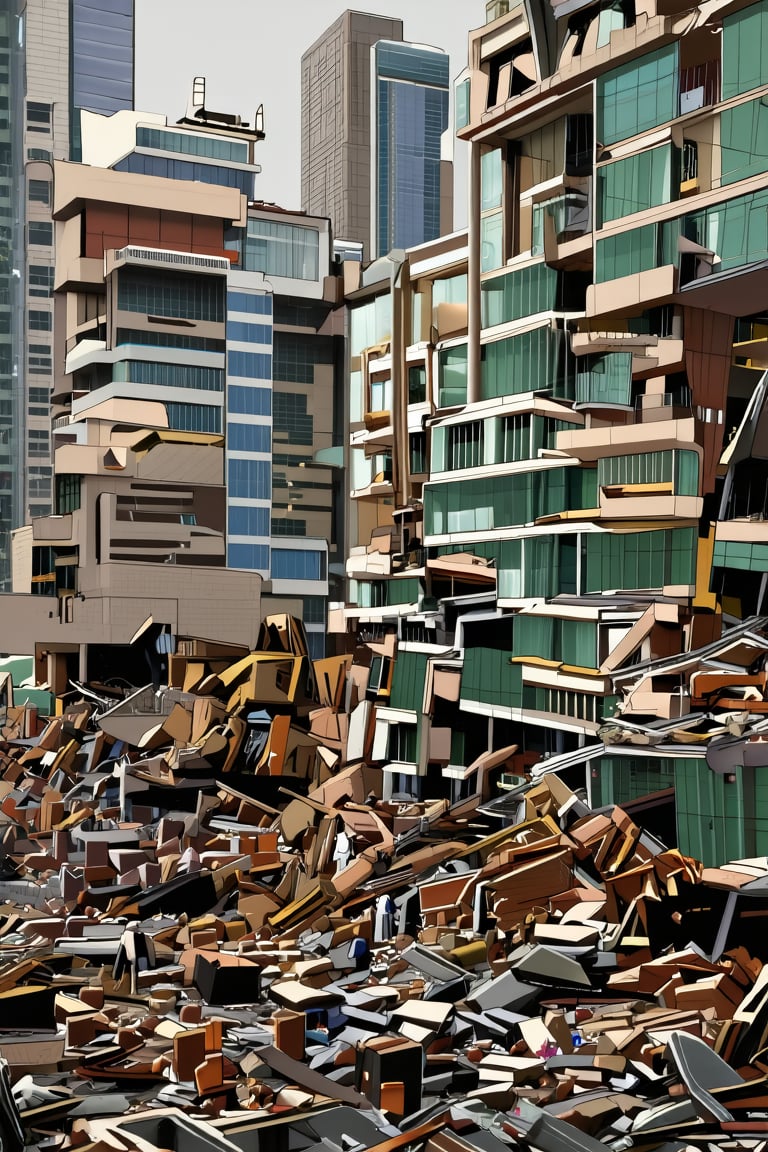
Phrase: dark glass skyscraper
[101,54]
[409,116]
[373,109]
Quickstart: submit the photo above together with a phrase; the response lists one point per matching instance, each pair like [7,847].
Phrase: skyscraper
[373,109]
[64,57]
[11,256]
[101,60]
[409,115]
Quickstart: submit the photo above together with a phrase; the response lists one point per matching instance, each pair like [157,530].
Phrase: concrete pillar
[474,322]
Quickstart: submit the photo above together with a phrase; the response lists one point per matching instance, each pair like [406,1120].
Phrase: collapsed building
[215,932]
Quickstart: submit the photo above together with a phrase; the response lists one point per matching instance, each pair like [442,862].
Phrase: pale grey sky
[250,53]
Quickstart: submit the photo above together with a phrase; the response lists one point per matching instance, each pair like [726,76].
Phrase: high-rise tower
[373,111]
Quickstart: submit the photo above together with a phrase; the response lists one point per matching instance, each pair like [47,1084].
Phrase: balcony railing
[699,86]
[131,254]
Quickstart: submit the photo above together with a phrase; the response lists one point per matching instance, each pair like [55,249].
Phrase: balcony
[363,564]
[161,258]
[52,528]
[409,561]
[699,86]
[662,406]
[562,226]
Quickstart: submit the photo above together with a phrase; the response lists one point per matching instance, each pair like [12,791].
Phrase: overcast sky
[250,53]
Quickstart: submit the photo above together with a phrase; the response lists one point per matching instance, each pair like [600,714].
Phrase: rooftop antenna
[197,100]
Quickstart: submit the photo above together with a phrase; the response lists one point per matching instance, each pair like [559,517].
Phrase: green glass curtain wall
[489,678]
[746,557]
[639,559]
[637,250]
[492,502]
[386,593]
[506,440]
[408,681]
[523,292]
[681,468]
[452,376]
[736,230]
[462,104]
[745,50]
[619,779]
[604,379]
[491,241]
[573,642]
[530,362]
[711,813]
[638,182]
[491,179]
[562,702]
[743,141]
[638,96]
[542,566]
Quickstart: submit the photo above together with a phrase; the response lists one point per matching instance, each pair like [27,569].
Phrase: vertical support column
[474,322]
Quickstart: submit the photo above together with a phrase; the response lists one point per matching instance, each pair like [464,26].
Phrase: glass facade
[298,564]
[192,144]
[547,566]
[101,51]
[194,417]
[370,323]
[250,437]
[297,353]
[679,469]
[169,375]
[745,50]
[67,494]
[249,429]
[638,182]
[288,250]
[246,521]
[452,374]
[489,677]
[462,104]
[523,292]
[530,362]
[639,559]
[181,296]
[572,642]
[171,169]
[449,290]
[411,87]
[638,96]
[408,680]
[743,141]
[736,231]
[289,415]
[385,593]
[417,384]
[637,250]
[604,379]
[493,502]
[501,440]
[167,340]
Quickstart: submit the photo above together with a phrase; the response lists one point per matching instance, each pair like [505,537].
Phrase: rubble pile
[215,935]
